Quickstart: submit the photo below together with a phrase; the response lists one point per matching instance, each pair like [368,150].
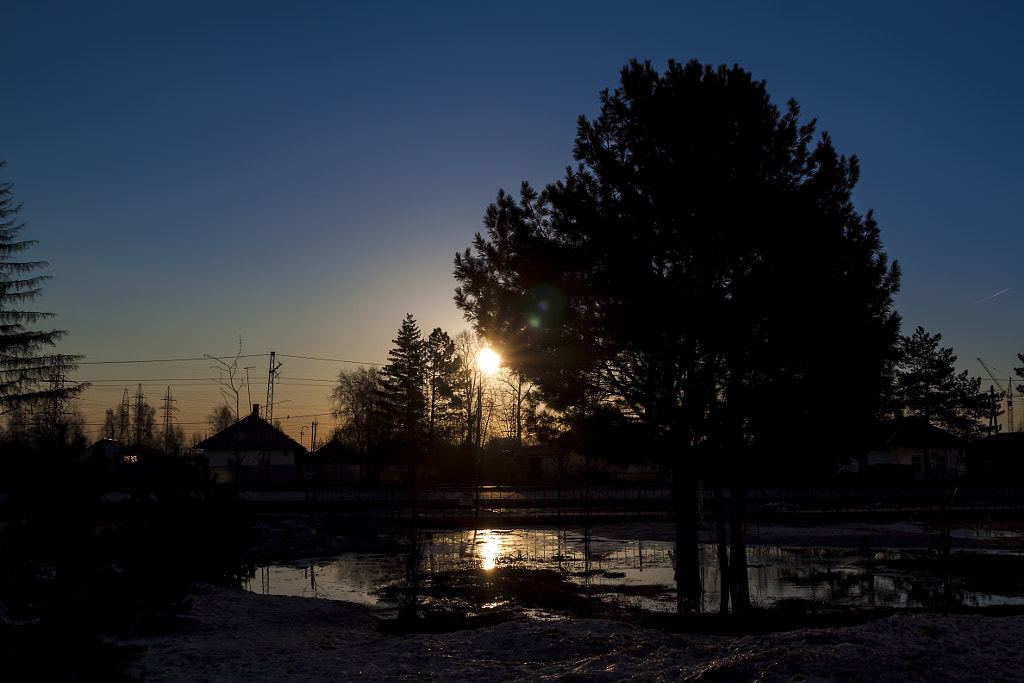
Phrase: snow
[231,635]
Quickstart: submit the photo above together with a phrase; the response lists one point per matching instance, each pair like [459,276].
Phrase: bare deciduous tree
[231,384]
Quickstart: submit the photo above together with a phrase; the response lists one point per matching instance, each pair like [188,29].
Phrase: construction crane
[1007,391]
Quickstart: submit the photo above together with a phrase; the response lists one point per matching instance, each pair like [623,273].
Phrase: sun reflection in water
[488,545]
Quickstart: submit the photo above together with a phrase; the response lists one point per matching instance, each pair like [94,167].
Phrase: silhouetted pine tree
[928,386]
[703,275]
[441,366]
[403,385]
[27,373]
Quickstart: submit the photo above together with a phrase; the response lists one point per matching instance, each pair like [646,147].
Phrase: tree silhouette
[354,400]
[230,381]
[469,388]
[220,418]
[403,397]
[441,368]
[27,373]
[928,386]
[356,407]
[699,276]
[1020,373]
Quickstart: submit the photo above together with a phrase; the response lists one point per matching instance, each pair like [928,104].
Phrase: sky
[299,176]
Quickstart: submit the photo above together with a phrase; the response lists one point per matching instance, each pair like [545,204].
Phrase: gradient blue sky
[300,175]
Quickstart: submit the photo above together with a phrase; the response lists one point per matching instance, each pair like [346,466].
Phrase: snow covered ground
[233,635]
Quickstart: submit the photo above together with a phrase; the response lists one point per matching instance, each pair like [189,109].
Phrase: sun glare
[488,361]
[489,551]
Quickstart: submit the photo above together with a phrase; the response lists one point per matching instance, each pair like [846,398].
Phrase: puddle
[899,577]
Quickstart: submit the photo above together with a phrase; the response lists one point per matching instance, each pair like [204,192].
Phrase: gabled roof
[109,450]
[251,433]
[913,432]
[337,452]
[102,450]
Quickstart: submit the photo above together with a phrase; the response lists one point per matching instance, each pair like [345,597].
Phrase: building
[251,451]
[910,448]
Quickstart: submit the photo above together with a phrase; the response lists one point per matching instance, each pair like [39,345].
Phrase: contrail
[993,296]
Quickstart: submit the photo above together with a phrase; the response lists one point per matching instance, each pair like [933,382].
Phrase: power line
[206,358]
[133,380]
[165,360]
[194,391]
[329,360]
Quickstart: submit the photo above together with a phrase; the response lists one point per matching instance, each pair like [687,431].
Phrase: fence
[544,504]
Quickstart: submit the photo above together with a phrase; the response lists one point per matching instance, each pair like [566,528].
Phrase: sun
[488,361]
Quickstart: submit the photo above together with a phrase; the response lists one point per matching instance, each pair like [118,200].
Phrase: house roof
[251,433]
[111,451]
[104,449]
[336,451]
[913,432]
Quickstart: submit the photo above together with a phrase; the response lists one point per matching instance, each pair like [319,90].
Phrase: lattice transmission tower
[56,410]
[124,430]
[140,415]
[168,410]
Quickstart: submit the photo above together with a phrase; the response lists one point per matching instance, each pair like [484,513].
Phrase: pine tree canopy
[702,272]
[27,372]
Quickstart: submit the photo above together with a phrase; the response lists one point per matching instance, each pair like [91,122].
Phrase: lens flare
[545,305]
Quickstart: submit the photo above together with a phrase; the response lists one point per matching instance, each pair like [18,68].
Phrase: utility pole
[248,387]
[1007,392]
[271,376]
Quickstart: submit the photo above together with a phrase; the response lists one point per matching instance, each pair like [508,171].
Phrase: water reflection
[614,562]
[489,548]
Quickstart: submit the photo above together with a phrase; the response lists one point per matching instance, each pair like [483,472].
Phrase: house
[535,464]
[251,451]
[910,448]
[119,466]
[334,464]
[105,453]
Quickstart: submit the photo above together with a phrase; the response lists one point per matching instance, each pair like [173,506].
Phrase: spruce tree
[29,375]
[403,384]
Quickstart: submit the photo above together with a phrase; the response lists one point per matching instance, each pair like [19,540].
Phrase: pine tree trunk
[688,583]
[723,551]
[738,561]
